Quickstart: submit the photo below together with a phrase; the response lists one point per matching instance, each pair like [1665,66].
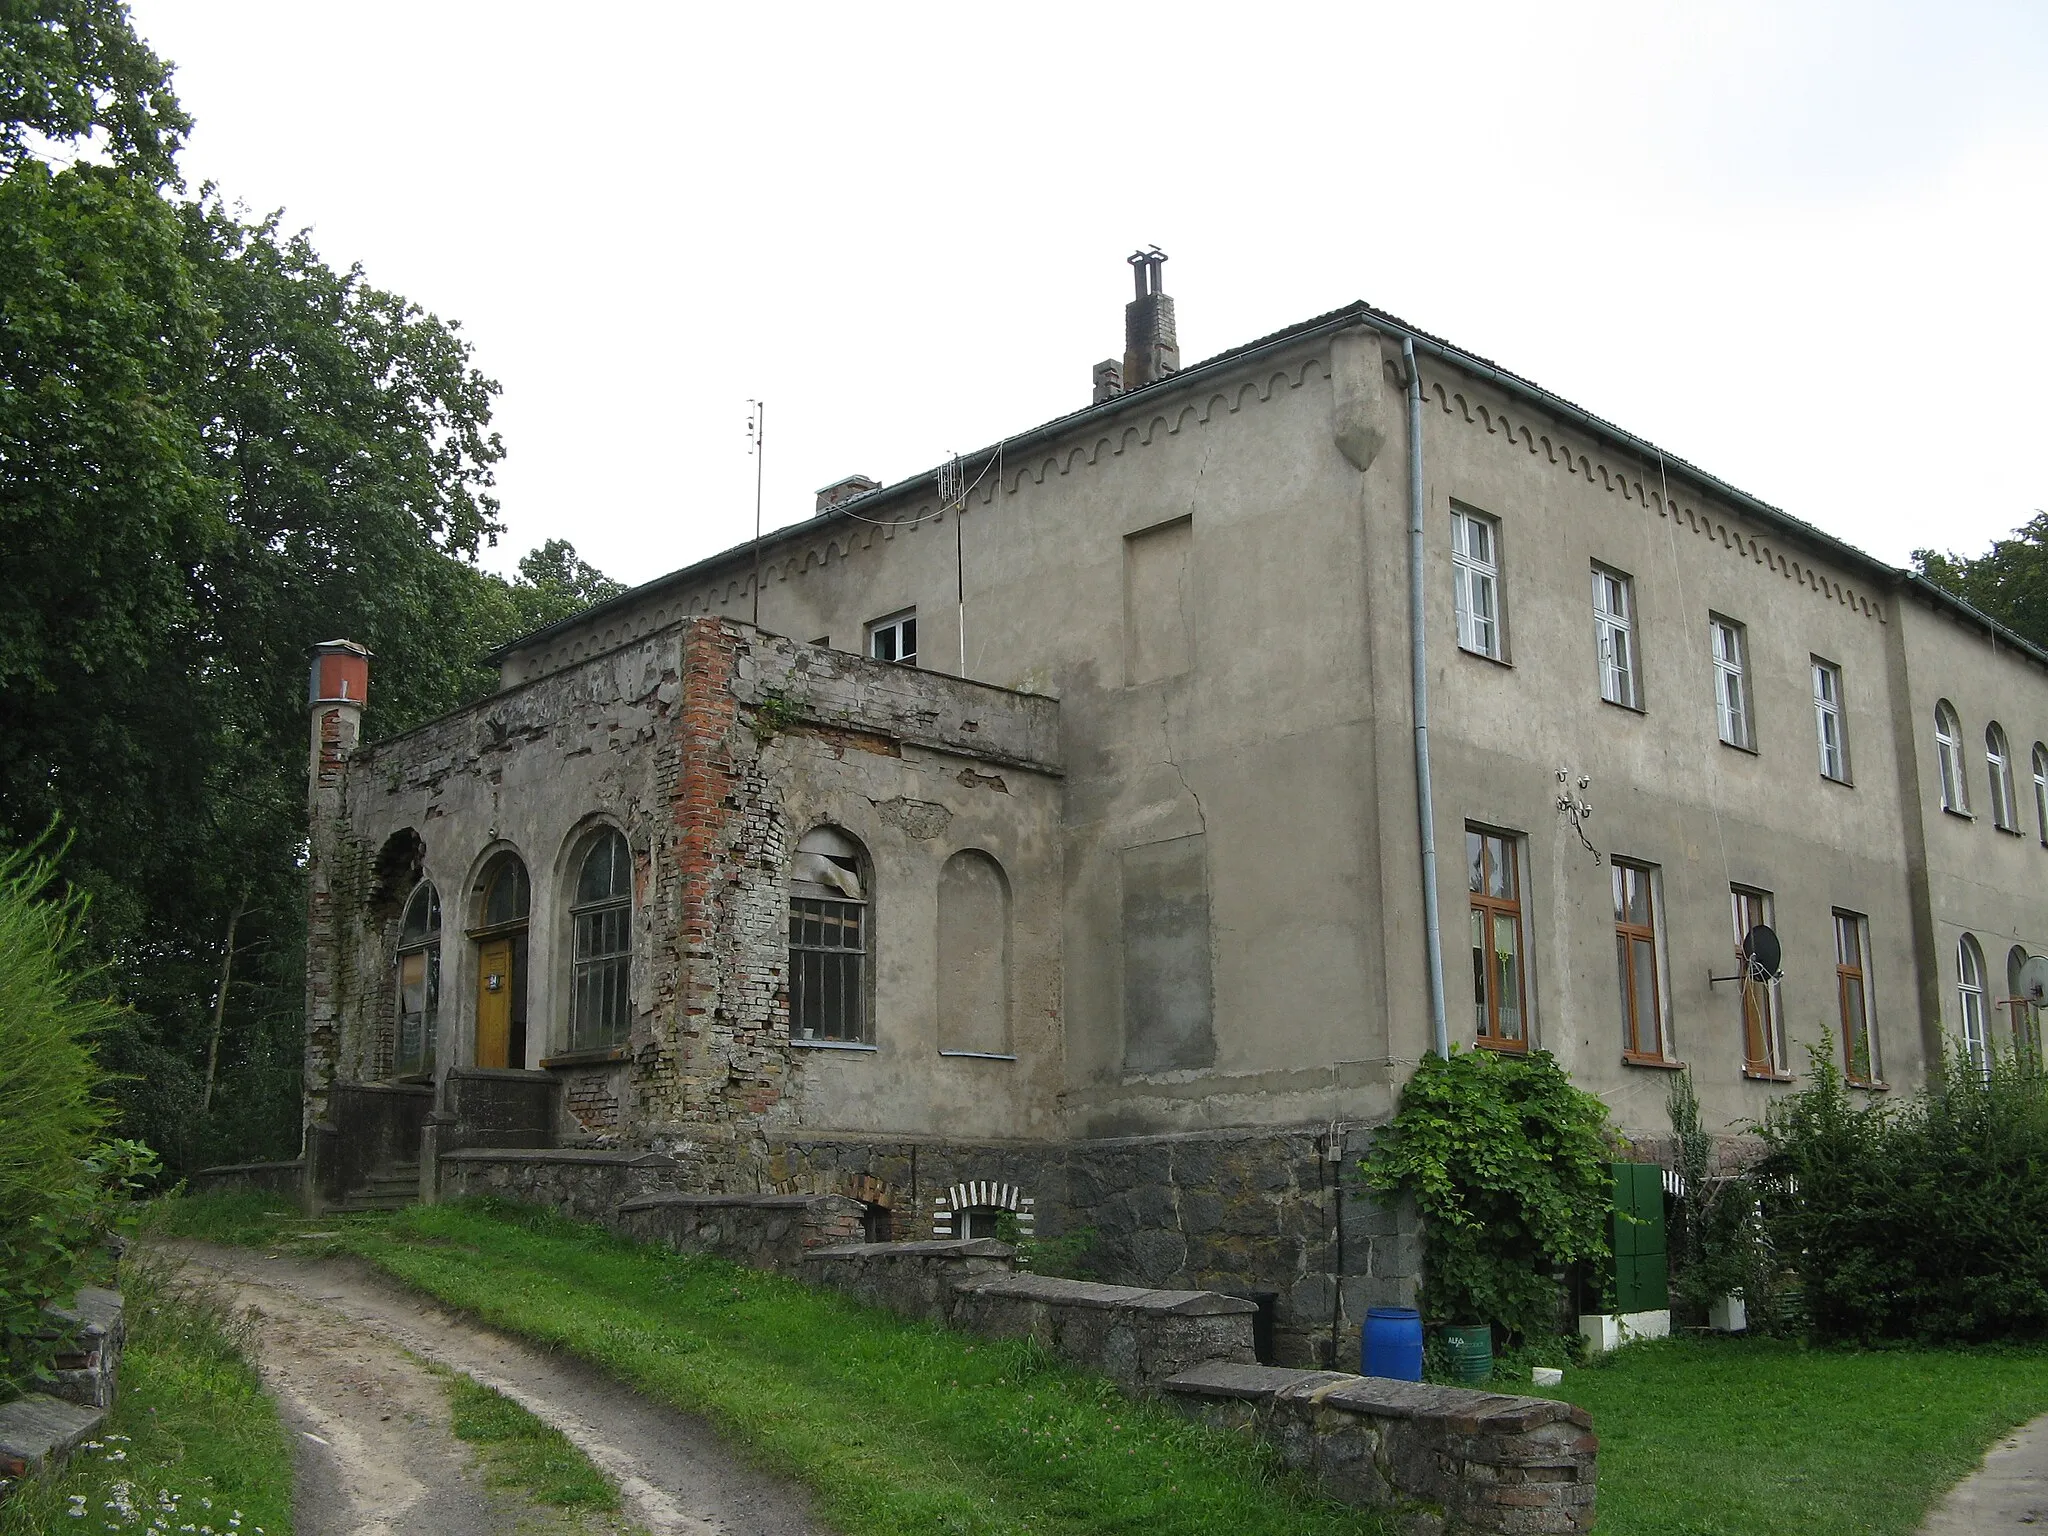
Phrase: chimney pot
[1151,347]
[1109,379]
[832,495]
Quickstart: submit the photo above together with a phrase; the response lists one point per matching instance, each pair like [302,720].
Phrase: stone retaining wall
[1447,1459]
[760,1231]
[582,1185]
[286,1179]
[911,1279]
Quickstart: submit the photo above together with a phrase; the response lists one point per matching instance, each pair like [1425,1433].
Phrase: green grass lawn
[897,1428]
[517,1451]
[192,1444]
[1741,1437]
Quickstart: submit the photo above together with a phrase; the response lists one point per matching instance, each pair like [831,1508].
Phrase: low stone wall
[1448,1460]
[760,1231]
[1138,1338]
[88,1360]
[497,1107]
[286,1179]
[584,1185]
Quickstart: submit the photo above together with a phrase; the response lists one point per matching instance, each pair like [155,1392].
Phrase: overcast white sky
[1801,244]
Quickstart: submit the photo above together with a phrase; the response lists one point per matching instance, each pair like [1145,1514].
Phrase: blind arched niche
[974,956]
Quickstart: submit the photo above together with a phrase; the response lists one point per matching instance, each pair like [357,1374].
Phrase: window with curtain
[2041,790]
[419,982]
[2005,813]
[1731,682]
[1499,974]
[601,945]
[1852,997]
[1475,576]
[1635,953]
[1948,758]
[1763,1019]
[1614,634]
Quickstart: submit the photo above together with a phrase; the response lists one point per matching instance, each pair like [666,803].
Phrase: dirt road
[336,1342]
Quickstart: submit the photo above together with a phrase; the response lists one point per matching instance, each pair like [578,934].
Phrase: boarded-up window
[1159,613]
[974,956]
[1168,1010]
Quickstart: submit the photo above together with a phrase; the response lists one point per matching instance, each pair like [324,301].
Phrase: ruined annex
[1096,833]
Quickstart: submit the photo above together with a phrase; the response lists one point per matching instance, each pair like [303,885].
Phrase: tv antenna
[1572,805]
[953,489]
[757,419]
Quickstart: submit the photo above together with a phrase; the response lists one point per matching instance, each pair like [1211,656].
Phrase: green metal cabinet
[1641,1268]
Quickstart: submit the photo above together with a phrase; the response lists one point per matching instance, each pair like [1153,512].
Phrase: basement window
[895,638]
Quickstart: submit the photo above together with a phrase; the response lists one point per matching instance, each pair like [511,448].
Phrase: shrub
[1923,1220]
[49,1114]
[1718,1245]
[1508,1164]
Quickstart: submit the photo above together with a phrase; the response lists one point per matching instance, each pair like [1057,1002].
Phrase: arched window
[419,982]
[600,1003]
[1948,754]
[1998,761]
[1970,999]
[974,956]
[504,896]
[2026,1016]
[828,941]
[2041,790]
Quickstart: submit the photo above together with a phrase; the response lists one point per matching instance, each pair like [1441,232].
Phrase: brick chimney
[1151,350]
[1109,380]
[339,688]
[829,496]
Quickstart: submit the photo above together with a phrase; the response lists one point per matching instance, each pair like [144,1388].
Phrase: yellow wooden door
[494,1003]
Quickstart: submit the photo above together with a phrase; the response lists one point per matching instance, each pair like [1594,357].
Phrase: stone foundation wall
[286,1179]
[761,1231]
[582,1185]
[1447,1459]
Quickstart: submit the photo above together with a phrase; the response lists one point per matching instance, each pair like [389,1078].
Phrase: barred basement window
[828,941]
[600,1002]
[419,982]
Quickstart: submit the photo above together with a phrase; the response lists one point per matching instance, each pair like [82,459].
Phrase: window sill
[603,1056]
[1742,747]
[2012,831]
[1766,1077]
[1659,1063]
[1868,1087]
[1506,1047]
[834,1045]
[1498,661]
[979,1055]
[1829,778]
[1634,709]
[1949,810]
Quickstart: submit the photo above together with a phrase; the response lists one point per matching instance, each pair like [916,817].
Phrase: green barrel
[1471,1352]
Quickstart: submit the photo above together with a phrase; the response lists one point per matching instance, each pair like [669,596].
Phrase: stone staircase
[391,1188]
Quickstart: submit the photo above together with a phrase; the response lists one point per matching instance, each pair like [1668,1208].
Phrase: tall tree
[2009,581]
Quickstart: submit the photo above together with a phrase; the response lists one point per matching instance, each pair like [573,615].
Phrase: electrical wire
[951,504]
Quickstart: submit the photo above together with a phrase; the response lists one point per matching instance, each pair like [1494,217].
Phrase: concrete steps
[391,1189]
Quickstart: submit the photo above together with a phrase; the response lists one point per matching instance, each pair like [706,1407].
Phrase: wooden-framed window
[828,941]
[1731,682]
[1614,636]
[1763,1016]
[1970,1000]
[895,638]
[1500,991]
[1475,575]
[1852,998]
[2026,1015]
[1948,759]
[2005,811]
[1635,955]
[601,960]
[419,983]
[1830,724]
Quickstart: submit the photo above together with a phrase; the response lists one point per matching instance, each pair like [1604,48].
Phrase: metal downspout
[1425,805]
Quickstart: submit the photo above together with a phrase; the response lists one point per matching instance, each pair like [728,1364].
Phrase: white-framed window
[2041,790]
[1948,757]
[1475,573]
[1731,682]
[1970,999]
[895,638]
[1614,633]
[1829,723]
[2005,811]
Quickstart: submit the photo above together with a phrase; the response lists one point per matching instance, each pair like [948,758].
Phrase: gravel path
[2005,1496]
[335,1341]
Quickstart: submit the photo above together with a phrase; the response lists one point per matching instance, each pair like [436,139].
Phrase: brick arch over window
[965,1207]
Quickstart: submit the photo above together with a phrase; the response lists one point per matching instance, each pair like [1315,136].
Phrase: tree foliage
[2009,581]
[1507,1163]
[215,451]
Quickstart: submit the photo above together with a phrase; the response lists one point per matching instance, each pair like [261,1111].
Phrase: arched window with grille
[1970,1000]
[1948,756]
[601,962]
[419,982]
[829,941]
[2005,811]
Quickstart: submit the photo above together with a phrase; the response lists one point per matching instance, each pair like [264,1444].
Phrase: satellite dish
[1762,956]
[2034,979]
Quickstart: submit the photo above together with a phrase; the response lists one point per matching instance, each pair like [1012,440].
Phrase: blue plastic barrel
[1392,1343]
